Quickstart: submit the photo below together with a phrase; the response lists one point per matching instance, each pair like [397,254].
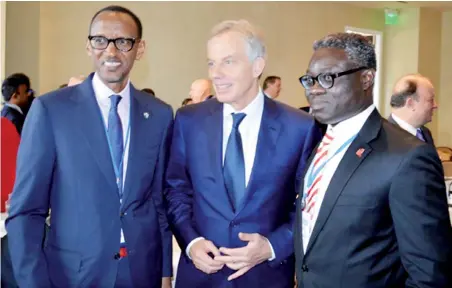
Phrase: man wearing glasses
[371,211]
[95,155]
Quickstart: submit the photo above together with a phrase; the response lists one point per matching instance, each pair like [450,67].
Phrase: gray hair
[253,38]
[398,100]
[357,47]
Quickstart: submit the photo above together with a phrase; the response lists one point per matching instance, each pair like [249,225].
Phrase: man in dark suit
[233,163]
[94,154]
[412,106]
[15,95]
[371,211]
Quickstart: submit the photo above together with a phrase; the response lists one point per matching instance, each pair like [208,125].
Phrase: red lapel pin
[360,152]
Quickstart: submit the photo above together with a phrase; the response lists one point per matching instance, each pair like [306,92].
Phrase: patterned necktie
[420,135]
[318,165]
[116,139]
[234,163]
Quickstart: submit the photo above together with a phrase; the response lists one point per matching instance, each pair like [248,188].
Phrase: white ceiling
[440,5]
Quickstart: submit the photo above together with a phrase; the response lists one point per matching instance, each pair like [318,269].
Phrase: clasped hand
[240,259]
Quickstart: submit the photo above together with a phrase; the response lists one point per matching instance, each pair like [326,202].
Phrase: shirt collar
[103,93]
[252,110]
[404,125]
[353,125]
[15,107]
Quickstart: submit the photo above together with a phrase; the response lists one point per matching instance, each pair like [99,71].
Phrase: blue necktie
[420,135]
[116,139]
[234,163]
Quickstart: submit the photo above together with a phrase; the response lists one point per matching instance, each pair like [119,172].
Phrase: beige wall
[176,35]
[429,62]
[400,50]
[445,91]
[2,38]
[23,40]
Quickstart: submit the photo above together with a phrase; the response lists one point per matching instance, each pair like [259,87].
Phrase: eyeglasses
[122,44]
[326,80]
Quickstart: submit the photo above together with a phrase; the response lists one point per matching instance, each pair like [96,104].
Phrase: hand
[243,259]
[166,282]
[199,253]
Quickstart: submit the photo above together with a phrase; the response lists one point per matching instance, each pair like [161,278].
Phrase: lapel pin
[360,152]
[146,115]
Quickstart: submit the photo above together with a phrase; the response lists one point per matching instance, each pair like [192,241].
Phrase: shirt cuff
[271,247]
[187,250]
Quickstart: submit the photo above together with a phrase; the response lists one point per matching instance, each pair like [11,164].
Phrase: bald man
[200,90]
[412,105]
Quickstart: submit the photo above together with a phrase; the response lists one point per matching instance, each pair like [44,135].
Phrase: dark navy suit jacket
[198,203]
[384,220]
[64,164]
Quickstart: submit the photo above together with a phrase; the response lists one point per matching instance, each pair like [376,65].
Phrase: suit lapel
[92,128]
[213,126]
[347,166]
[137,141]
[266,144]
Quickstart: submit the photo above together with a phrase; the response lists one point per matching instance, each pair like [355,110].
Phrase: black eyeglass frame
[333,76]
[133,40]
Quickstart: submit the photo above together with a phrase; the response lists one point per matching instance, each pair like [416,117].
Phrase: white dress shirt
[15,107]
[249,132]
[103,94]
[341,133]
[404,125]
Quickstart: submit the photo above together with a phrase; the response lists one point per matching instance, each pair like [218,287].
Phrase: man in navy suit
[94,154]
[232,169]
[372,208]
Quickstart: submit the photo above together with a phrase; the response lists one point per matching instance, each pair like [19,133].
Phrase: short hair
[11,85]
[23,78]
[357,47]
[270,80]
[398,100]
[185,101]
[120,9]
[253,38]
[62,86]
[148,90]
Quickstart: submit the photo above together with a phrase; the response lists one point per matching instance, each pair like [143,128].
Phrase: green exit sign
[391,17]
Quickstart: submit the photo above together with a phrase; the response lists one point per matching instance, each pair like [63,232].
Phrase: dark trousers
[123,278]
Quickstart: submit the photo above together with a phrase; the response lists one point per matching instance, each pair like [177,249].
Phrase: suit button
[304,268]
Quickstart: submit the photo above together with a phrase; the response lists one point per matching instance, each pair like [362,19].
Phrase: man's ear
[368,78]
[410,103]
[258,66]
[88,48]
[140,50]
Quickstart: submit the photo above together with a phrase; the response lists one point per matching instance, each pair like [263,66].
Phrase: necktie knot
[115,99]
[237,118]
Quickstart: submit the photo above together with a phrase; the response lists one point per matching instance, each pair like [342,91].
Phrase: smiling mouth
[222,87]
[111,65]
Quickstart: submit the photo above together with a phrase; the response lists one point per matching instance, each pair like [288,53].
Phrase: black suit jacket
[384,221]
[14,116]
[425,131]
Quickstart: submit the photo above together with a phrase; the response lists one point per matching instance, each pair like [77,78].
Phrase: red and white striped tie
[321,156]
